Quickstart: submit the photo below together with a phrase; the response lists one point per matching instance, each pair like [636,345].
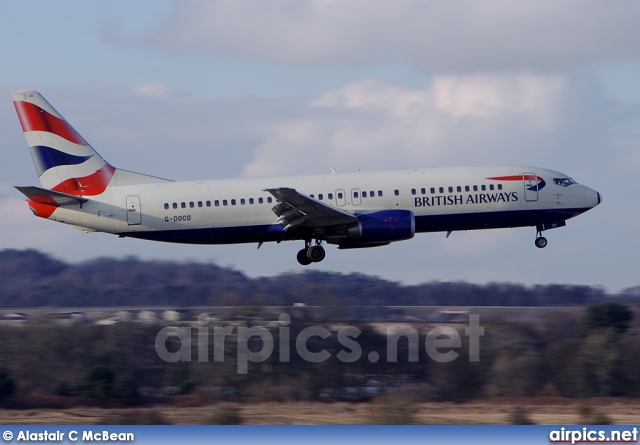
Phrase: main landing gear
[311,254]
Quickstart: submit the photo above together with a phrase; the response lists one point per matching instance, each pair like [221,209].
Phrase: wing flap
[50,197]
[297,209]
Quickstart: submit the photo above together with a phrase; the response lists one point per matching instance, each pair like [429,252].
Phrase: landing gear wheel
[541,242]
[315,254]
[303,258]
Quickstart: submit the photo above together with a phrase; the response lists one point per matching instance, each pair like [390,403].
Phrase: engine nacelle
[382,227]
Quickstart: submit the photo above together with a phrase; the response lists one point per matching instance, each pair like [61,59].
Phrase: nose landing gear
[541,241]
[311,254]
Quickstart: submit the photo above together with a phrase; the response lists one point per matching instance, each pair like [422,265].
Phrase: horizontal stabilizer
[50,197]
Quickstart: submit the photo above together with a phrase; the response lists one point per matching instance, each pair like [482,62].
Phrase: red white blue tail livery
[350,210]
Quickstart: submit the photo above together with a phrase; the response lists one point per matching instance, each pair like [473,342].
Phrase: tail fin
[64,160]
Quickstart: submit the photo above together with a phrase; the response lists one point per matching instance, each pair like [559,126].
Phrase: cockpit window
[564,182]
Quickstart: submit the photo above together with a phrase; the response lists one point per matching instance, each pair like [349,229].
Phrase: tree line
[590,353]
[31,279]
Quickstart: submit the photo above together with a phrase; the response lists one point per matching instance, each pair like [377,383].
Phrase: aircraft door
[530,186]
[341,198]
[134,217]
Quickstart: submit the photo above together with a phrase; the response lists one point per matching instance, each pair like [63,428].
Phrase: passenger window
[483,187]
[499,186]
[208,203]
[490,186]
[216,203]
[413,191]
[380,193]
[450,189]
[233,202]
[396,192]
[199,203]
[224,202]
[330,195]
[320,196]
[269,200]
[166,206]
[355,194]
[339,195]
[475,188]
[459,188]
[242,201]
[175,205]
[432,190]
[183,205]
[466,188]
[364,194]
[250,200]
[371,194]
[260,200]
[312,195]
[423,190]
[441,189]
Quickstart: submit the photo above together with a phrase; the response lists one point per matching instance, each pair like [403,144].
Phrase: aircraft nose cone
[593,198]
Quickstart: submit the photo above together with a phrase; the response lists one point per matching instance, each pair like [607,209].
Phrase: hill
[31,279]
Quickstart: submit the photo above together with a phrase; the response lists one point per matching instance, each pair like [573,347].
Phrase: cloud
[457,35]
[154,89]
[517,118]
[454,120]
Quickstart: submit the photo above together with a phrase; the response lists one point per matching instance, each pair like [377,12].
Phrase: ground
[495,411]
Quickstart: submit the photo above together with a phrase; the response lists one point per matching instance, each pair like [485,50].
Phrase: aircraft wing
[50,197]
[297,209]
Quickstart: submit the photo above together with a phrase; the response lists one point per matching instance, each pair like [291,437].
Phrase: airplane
[350,210]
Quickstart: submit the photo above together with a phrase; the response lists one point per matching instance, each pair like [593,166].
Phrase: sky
[224,89]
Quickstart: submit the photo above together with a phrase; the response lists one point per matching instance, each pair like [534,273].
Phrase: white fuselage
[239,210]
